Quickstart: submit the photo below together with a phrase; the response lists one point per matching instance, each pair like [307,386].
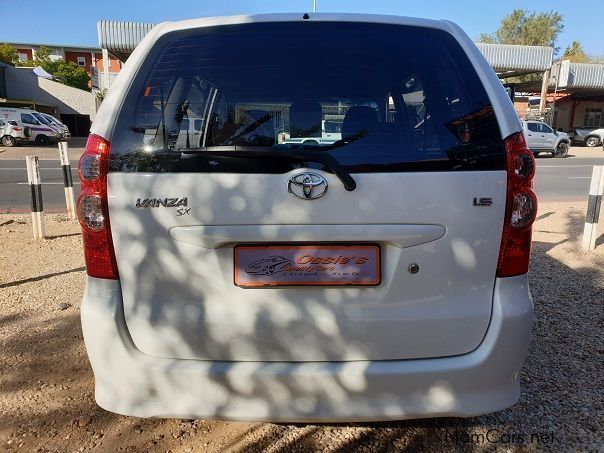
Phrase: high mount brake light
[93,211]
[520,210]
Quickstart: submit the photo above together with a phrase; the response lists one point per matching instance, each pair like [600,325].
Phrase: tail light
[520,211]
[93,212]
[17,129]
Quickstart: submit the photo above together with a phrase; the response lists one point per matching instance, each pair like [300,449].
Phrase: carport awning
[511,60]
[581,76]
[121,38]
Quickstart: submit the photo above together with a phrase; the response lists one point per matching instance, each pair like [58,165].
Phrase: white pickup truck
[331,132]
[541,138]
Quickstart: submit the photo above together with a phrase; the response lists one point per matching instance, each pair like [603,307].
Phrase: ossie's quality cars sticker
[303,265]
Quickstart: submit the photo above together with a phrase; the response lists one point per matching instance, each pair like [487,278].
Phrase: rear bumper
[131,383]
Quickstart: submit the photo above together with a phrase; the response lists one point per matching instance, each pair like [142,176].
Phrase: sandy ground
[47,386]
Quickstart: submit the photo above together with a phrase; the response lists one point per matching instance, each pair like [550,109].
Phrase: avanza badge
[157,202]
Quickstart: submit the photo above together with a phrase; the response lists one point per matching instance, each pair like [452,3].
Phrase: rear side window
[29,119]
[400,99]
[533,127]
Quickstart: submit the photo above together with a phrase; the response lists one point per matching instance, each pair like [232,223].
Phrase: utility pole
[314,6]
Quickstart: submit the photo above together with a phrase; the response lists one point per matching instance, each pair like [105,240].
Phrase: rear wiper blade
[301,155]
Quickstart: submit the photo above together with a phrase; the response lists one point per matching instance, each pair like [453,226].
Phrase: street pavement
[556,179]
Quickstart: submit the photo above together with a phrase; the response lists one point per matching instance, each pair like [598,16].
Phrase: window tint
[546,129]
[533,127]
[402,98]
[29,119]
[333,127]
[40,118]
[2,123]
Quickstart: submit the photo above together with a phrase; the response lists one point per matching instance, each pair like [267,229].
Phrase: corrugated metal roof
[508,58]
[121,38]
[582,75]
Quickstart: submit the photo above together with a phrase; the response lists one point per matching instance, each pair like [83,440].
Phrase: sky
[73,22]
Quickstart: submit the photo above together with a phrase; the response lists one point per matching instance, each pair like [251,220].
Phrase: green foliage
[100,94]
[8,54]
[576,54]
[70,74]
[42,58]
[67,73]
[527,28]
[486,38]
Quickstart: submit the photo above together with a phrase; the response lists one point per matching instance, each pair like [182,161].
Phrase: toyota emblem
[307,186]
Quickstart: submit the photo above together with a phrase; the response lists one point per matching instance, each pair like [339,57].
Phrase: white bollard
[590,231]
[35,188]
[67,179]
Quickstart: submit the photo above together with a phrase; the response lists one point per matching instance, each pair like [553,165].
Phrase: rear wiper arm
[301,155]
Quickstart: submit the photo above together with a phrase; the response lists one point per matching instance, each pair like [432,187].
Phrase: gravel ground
[46,384]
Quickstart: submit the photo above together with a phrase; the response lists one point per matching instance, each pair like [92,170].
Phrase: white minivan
[381,276]
[42,132]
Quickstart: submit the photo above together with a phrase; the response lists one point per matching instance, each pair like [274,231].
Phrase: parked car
[329,133]
[41,133]
[51,124]
[11,134]
[542,138]
[60,126]
[590,137]
[400,252]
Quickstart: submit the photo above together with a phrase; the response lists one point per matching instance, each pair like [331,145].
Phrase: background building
[92,59]
[25,88]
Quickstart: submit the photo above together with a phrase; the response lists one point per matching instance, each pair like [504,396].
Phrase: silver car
[11,134]
[541,138]
[589,136]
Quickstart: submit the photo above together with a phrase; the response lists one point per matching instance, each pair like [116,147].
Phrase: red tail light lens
[93,212]
[520,211]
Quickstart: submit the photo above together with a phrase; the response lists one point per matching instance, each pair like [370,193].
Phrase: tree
[575,53]
[8,54]
[70,74]
[67,73]
[527,28]
[41,58]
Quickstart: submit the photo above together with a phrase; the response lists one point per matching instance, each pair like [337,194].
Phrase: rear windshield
[376,97]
